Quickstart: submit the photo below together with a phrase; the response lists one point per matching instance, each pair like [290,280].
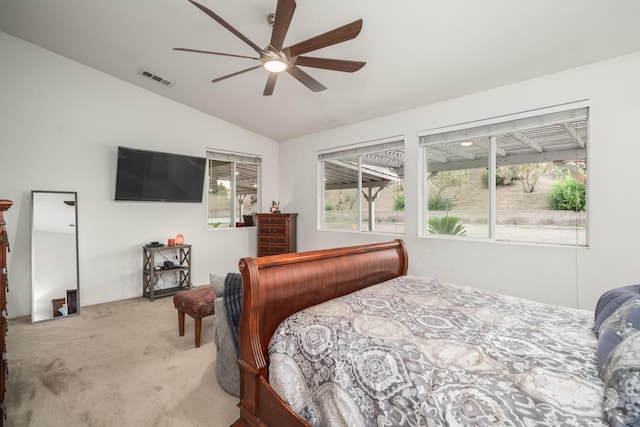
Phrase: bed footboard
[275,287]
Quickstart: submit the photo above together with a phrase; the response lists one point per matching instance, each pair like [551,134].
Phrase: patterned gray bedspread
[420,352]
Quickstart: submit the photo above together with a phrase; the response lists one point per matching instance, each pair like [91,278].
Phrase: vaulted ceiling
[417,51]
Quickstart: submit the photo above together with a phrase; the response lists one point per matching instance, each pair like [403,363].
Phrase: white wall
[60,125]
[563,275]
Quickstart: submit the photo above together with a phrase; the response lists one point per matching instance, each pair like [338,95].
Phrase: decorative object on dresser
[54,255]
[4,284]
[154,271]
[276,234]
[275,207]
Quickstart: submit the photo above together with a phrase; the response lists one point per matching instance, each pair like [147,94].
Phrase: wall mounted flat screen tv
[154,176]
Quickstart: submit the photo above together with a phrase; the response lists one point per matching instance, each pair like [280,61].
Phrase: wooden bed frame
[275,287]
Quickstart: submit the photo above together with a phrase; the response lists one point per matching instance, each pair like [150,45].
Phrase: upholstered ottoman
[197,303]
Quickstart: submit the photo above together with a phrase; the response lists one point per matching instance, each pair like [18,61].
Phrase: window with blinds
[233,189]
[363,187]
[519,178]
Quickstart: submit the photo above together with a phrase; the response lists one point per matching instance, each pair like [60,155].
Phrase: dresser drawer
[272,250]
[272,220]
[272,229]
[275,239]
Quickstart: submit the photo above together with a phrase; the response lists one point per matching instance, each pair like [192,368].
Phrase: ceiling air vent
[157,78]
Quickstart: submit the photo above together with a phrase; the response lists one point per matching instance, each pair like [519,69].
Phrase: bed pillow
[217,284]
[621,376]
[610,301]
[625,321]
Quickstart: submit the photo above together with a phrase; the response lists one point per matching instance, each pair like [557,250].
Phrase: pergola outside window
[362,188]
[519,178]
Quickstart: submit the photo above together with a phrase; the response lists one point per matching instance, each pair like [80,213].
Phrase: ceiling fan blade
[284,14]
[330,64]
[338,35]
[235,74]
[271,84]
[214,53]
[228,26]
[306,79]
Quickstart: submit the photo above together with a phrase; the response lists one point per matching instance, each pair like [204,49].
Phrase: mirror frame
[34,261]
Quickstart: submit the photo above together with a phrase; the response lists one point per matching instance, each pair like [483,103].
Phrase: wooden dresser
[4,248]
[276,234]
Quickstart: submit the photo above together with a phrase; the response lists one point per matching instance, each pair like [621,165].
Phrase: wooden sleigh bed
[291,286]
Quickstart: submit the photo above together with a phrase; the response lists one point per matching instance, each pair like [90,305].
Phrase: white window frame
[361,149]
[234,158]
[490,128]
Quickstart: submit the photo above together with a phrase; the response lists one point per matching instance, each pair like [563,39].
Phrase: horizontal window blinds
[350,151]
[233,157]
[500,126]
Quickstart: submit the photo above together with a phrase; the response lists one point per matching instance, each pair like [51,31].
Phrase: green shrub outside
[437,203]
[485,179]
[502,178]
[398,202]
[567,194]
[446,225]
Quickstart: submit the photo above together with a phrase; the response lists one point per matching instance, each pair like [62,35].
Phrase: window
[233,188]
[520,178]
[362,188]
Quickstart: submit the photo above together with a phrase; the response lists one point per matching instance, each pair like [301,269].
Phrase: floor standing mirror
[54,255]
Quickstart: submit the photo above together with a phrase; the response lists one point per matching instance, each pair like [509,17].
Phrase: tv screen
[155,176]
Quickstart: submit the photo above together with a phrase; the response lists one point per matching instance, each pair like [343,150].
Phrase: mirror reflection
[54,255]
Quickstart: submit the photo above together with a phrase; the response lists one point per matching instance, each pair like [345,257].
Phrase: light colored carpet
[116,364]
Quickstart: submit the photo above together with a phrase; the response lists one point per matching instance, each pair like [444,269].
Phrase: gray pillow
[621,376]
[623,322]
[610,301]
[217,283]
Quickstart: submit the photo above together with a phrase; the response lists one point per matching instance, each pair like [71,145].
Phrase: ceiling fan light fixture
[275,65]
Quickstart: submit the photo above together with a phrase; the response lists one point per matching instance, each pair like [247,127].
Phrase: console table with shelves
[154,269]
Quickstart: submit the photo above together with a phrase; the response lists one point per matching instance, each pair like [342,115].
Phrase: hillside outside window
[520,178]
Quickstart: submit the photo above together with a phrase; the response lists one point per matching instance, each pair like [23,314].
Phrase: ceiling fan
[275,58]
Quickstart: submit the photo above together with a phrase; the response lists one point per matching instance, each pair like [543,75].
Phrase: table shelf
[152,271]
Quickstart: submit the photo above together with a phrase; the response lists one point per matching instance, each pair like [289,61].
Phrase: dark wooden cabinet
[4,283]
[276,234]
